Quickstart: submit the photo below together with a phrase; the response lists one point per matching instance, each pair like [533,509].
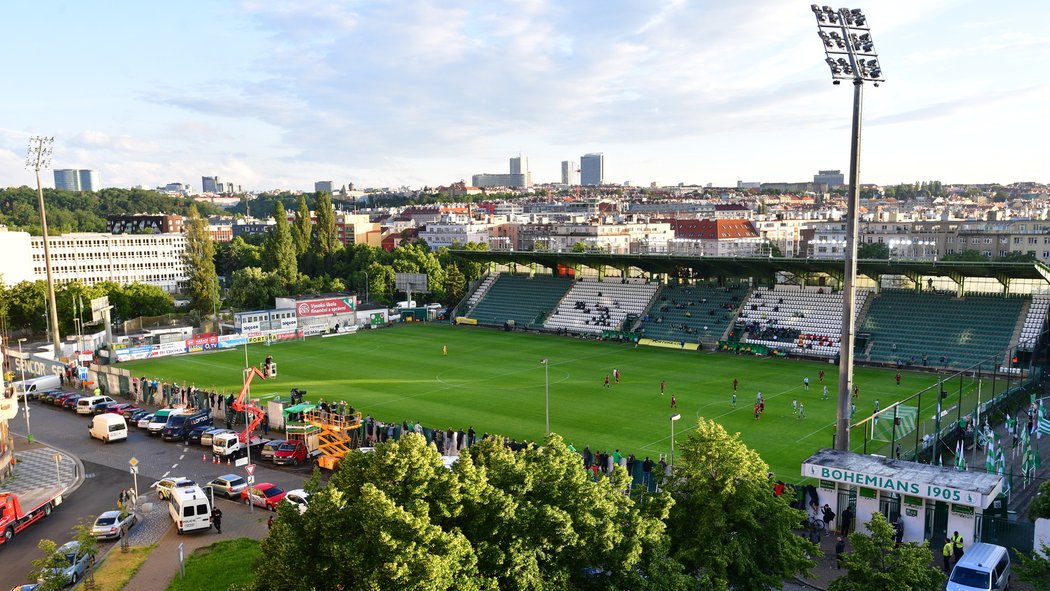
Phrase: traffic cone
[228,462]
[204,457]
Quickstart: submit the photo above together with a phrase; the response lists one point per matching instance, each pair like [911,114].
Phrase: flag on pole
[1008,483]
[1000,462]
[960,456]
[1027,461]
[989,457]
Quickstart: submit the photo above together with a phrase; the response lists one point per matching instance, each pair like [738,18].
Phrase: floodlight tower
[39,156]
[850,54]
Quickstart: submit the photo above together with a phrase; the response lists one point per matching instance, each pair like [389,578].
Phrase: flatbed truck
[15,518]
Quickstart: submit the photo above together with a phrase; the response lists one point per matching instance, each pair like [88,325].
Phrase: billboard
[325,306]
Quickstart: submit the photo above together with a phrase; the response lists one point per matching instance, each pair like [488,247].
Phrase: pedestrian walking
[957,540]
[756,411]
[898,378]
[840,550]
[266,424]
[794,406]
[734,400]
[661,387]
[734,384]
[269,523]
[825,396]
[801,411]
[805,382]
[444,350]
[674,401]
[606,381]
[216,518]
[820,376]
[616,375]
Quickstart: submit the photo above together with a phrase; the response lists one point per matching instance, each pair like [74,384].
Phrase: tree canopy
[498,519]
[877,562]
[200,260]
[726,526]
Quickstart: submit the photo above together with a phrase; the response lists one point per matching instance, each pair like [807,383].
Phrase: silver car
[109,525]
[77,562]
[209,435]
[229,485]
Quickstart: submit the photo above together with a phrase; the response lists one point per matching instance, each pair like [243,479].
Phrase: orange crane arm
[240,405]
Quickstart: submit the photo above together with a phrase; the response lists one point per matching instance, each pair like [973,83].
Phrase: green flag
[989,458]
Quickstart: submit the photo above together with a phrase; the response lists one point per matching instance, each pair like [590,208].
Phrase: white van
[160,418]
[406,304]
[108,427]
[86,405]
[189,508]
[34,386]
[983,567]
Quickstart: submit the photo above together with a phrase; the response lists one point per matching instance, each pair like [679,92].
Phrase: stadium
[535,339]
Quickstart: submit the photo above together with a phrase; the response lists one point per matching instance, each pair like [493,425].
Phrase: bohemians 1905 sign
[897,485]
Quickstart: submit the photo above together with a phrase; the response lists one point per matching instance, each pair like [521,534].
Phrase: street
[107,472]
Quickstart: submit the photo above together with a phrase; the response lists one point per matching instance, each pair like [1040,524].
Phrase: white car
[166,485]
[144,421]
[298,497]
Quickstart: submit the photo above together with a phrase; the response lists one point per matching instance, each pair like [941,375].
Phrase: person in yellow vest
[444,350]
[958,541]
[949,551]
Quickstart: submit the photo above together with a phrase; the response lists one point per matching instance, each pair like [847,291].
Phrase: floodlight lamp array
[38,156]
[849,49]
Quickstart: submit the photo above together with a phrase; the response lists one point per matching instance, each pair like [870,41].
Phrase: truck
[14,517]
[229,445]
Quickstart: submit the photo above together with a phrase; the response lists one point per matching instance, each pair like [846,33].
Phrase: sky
[278,94]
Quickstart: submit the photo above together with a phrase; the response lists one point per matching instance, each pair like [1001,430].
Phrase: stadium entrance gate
[930,500]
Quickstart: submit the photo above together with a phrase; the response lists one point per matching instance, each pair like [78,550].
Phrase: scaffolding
[339,433]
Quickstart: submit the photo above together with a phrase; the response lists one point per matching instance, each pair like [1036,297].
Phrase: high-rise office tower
[72,179]
[326,186]
[210,184]
[520,165]
[592,169]
[569,173]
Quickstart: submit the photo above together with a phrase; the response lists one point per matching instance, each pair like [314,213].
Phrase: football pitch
[495,382]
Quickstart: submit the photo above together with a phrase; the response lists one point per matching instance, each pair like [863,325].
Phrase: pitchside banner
[198,344]
[325,307]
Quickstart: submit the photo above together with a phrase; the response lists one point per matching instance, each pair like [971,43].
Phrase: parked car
[110,525]
[103,407]
[48,396]
[78,562]
[194,436]
[209,436]
[298,497]
[61,398]
[70,402]
[144,420]
[264,494]
[270,448]
[165,485]
[229,485]
[129,410]
[138,414]
[27,587]
[117,408]
[291,452]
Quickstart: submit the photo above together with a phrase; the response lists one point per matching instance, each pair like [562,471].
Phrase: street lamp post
[25,392]
[39,156]
[547,391]
[674,418]
[850,54]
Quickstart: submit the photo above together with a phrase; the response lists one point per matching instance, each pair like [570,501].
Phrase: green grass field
[494,381]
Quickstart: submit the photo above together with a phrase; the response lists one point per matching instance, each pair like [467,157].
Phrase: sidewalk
[162,566]
[37,475]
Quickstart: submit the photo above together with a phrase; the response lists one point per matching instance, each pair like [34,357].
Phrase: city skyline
[278,96]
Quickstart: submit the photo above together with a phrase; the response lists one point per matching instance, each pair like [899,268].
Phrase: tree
[1040,506]
[237,254]
[88,545]
[301,228]
[1035,570]
[279,250]
[877,562]
[873,251]
[254,289]
[1016,256]
[455,284]
[50,568]
[325,239]
[200,260]
[726,527]
[970,256]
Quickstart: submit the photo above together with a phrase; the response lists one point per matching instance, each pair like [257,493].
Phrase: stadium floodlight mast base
[850,53]
[37,157]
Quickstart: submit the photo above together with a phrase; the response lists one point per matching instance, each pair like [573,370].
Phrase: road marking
[175,465]
[182,456]
[166,474]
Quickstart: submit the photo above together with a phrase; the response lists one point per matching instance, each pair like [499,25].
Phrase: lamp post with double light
[850,54]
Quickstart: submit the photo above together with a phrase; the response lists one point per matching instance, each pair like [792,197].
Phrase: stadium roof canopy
[759,266]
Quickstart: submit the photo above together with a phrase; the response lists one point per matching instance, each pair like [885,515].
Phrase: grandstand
[591,307]
[976,313]
[951,332]
[700,312]
[801,320]
[520,299]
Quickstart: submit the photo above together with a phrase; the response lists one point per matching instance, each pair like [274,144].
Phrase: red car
[263,494]
[117,409]
[129,410]
[291,452]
